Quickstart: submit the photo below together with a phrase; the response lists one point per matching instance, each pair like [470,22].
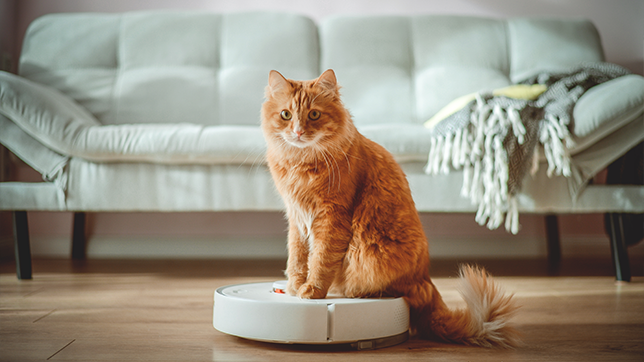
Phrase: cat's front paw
[310,291]
[293,285]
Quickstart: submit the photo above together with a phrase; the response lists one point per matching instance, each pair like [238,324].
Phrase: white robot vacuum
[263,312]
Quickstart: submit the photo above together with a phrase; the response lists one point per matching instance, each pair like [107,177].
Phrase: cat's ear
[328,80]
[277,82]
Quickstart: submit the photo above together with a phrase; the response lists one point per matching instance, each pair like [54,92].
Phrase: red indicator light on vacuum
[279,287]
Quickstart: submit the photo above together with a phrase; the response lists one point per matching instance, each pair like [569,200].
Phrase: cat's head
[303,114]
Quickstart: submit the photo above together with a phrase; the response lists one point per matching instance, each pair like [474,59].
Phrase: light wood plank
[162,311]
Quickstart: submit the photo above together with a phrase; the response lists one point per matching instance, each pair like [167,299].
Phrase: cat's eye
[314,115]
[286,115]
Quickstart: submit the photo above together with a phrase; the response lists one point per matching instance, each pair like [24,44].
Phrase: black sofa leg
[21,245]
[554,244]
[618,247]
[79,242]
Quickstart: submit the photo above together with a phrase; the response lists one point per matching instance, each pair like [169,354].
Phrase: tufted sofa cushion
[187,87]
[420,64]
[162,87]
[397,72]
[169,67]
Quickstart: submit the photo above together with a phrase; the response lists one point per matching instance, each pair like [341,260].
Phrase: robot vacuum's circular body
[263,312]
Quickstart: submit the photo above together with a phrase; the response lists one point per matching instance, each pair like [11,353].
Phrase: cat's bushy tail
[483,323]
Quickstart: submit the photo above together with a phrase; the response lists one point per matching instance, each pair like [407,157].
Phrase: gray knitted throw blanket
[494,140]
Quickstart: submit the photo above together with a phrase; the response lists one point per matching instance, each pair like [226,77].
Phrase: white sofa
[159,111]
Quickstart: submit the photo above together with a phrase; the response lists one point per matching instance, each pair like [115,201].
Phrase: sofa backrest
[397,69]
[169,67]
[206,68]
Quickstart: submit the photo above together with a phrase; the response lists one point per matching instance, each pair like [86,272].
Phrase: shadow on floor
[274,267]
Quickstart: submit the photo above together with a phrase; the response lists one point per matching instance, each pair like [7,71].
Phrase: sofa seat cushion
[59,123]
[171,144]
[406,142]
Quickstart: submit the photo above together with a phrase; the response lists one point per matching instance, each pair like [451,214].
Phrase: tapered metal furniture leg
[21,245]
[79,242]
[618,247]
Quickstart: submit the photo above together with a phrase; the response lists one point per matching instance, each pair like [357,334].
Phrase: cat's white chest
[303,220]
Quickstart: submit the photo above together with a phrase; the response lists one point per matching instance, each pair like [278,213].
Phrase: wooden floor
[101,310]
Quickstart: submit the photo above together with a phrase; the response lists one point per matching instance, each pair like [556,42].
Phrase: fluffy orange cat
[353,226]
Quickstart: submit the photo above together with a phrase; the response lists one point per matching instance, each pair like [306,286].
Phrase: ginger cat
[353,226]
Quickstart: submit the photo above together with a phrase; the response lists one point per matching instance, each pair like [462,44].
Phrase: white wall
[229,234]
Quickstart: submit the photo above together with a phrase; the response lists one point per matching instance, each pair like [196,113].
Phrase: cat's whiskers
[314,98]
[330,170]
[315,156]
[257,162]
[346,157]
[337,167]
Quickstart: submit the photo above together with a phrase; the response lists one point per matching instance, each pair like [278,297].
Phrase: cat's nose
[298,133]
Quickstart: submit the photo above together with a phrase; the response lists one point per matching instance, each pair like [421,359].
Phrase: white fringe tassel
[479,151]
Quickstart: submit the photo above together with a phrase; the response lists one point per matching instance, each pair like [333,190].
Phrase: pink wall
[619,22]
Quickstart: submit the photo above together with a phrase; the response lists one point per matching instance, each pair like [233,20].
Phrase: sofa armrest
[41,158]
[57,122]
[605,108]
[43,112]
